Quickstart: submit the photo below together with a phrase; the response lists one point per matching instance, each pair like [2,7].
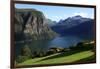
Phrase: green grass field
[61,58]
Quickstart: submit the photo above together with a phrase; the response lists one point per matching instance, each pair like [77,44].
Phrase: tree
[25,54]
[80,46]
[26,51]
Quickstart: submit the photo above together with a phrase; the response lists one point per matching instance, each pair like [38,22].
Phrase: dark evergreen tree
[26,51]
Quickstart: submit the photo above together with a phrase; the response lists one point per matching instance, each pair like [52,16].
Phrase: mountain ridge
[31,24]
[76,26]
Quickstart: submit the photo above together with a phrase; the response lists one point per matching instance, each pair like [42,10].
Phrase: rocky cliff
[31,24]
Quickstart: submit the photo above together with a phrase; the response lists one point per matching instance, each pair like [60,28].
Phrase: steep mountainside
[72,21]
[75,26]
[31,24]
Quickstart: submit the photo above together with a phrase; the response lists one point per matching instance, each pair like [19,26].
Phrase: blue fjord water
[44,45]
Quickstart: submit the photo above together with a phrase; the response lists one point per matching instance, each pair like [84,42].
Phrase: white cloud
[56,18]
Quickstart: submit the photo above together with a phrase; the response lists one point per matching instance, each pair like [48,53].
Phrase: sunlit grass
[62,59]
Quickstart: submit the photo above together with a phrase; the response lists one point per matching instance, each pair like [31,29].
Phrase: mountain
[60,21]
[72,21]
[31,24]
[77,26]
[50,22]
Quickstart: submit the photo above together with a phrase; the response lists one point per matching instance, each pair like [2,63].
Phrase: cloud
[56,18]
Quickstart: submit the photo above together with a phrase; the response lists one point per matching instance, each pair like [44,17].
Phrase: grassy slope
[58,58]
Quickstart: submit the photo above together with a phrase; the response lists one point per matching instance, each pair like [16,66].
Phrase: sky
[56,13]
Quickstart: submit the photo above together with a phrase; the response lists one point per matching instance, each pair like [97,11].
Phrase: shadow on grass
[62,54]
[87,60]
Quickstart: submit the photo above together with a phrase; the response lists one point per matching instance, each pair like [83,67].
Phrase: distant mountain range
[77,26]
